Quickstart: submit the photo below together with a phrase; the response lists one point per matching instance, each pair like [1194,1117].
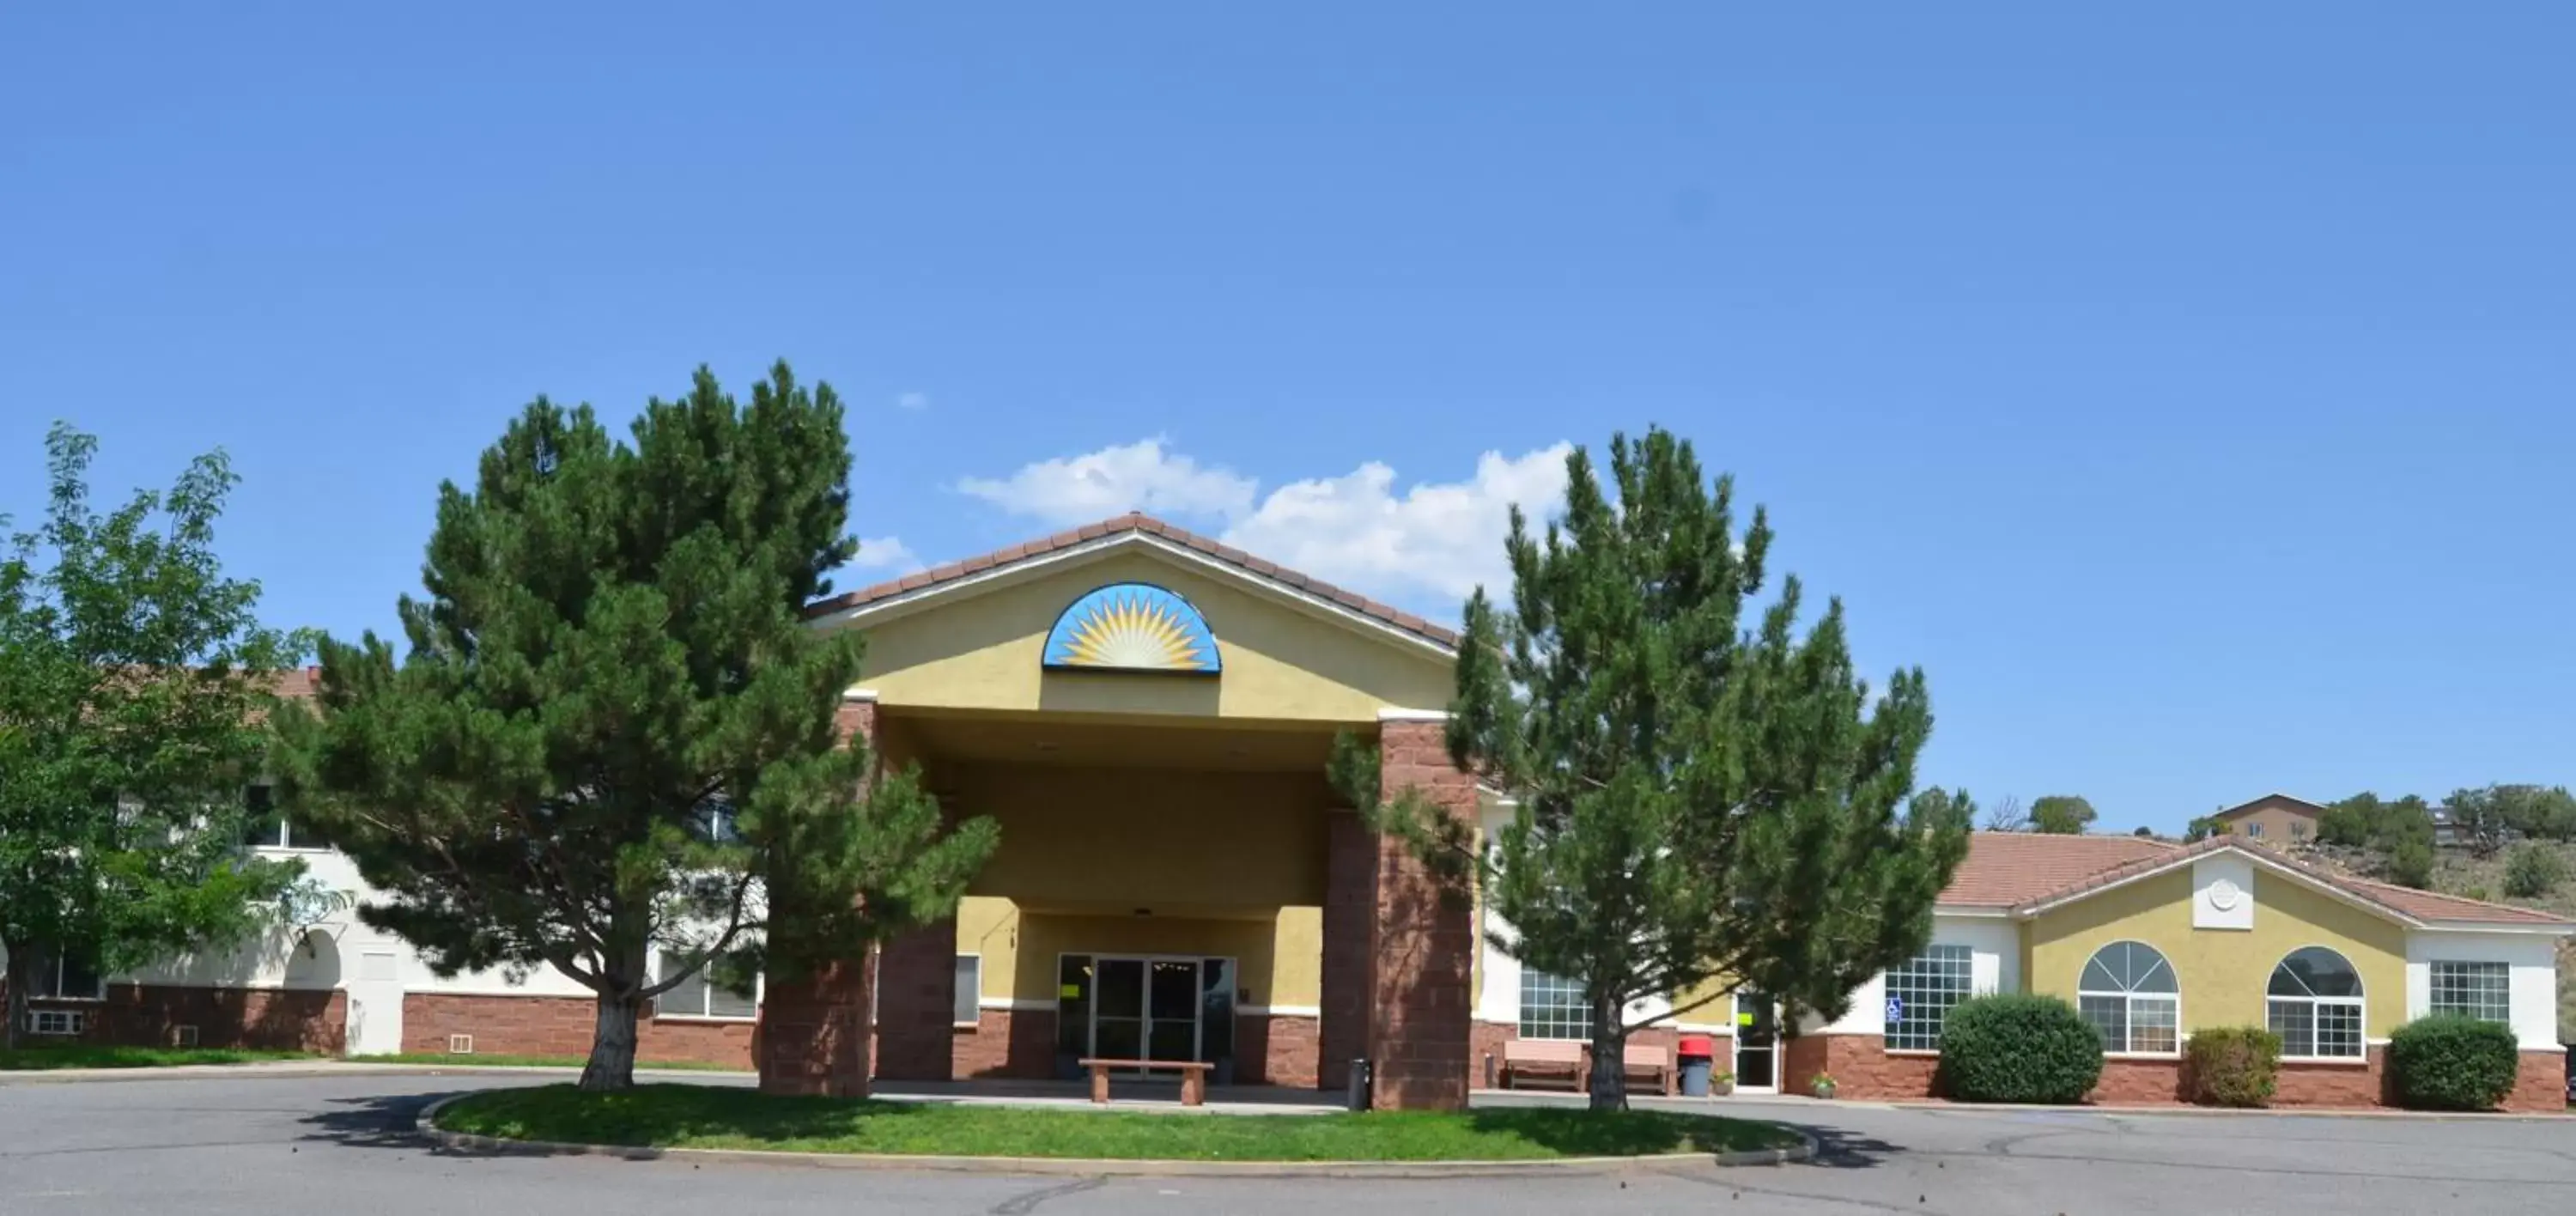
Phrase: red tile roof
[2007,869]
[2017,870]
[2425,905]
[1148,525]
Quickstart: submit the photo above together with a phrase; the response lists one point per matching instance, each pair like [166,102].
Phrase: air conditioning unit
[460,1044]
[186,1036]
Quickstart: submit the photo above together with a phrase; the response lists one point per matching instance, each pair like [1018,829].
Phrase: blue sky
[2188,391]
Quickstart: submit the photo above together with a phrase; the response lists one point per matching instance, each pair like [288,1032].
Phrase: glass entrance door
[1757,1041]
[1172,1009]
[1147,1009]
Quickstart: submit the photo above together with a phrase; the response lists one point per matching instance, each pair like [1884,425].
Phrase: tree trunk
[16,1005]
[612,1043]
[1609,1055]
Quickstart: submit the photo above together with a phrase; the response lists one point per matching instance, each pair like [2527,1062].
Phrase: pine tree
[133,681]
[611,745]
[1697,801]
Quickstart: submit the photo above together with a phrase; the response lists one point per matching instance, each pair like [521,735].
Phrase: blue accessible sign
[1895,1010]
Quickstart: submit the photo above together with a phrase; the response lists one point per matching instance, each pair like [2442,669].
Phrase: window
[2254,830]
[2298,829]
[716,821]
[970,989]
[2128,992]
[2481,990]
[56,1021]
[1920,994]
[1553,1007]
[2314,1004]
[63,976]
[268,828]
[703,996]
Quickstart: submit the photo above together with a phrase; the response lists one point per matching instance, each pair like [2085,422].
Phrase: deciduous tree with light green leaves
[610,746]
[133,681]
[1701,804]
[2061,815]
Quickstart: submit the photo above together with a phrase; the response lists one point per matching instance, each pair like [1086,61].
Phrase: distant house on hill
[2274,819]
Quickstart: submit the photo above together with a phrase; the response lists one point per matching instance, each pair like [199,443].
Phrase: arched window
[2314,1004]
[2129,994]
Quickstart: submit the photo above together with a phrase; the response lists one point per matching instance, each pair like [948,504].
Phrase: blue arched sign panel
[1132,627]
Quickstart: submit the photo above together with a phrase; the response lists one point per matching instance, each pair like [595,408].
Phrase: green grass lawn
[689,1116]
[85,1055]
[509,1061]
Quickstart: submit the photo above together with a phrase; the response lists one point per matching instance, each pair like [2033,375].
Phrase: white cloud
[1140,476]
[915,402]
[1427,544]
[1443,538]
[887,553]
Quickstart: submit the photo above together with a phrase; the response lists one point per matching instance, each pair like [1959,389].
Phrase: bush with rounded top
[2534,870]
[2232,1065]
[2018,1048]
[2452,1062]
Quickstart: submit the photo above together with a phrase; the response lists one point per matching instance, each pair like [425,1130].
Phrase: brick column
[916,1009]
[1423,943]
[1350,921]
[813,1032]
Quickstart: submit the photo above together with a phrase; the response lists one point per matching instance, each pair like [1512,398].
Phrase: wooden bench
[1193,1077]
[1656,1062]
[1560,1059]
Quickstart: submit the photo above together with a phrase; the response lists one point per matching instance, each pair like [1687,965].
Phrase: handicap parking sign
[1895,1010]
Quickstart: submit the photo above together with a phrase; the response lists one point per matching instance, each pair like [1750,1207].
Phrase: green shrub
[2452,1062]
[2018,1048]
[2533,871]
[2232,1066]
[2410,864]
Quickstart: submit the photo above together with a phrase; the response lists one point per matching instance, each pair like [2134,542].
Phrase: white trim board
[905,603]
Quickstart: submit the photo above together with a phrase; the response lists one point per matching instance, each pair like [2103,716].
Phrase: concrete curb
[1089,1167]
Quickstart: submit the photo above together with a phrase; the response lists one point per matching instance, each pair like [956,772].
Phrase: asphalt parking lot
[336,1144]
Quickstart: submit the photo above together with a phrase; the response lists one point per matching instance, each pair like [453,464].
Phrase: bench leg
[1100,1086]
[1194,1088]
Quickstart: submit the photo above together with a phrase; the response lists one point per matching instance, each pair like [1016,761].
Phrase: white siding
[2534,976]
[1994,963]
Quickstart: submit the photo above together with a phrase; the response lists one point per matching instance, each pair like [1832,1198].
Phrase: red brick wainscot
[258,1019]
[562,1026]
[1486,1041]
[1020,1044]
[1860,1065]
[2541,1087]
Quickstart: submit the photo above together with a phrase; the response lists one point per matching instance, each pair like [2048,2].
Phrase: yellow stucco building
[1148,714]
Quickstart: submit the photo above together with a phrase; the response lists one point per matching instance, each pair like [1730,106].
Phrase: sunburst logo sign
[1132,627]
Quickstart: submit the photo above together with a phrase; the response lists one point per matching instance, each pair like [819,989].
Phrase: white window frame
[63,1023]
[2130,1000]
[969,998]
[2253,830]
[1950,958]
[706,990]
[282,840]
[2502,1014]
[1561,1026]
[2359,1005]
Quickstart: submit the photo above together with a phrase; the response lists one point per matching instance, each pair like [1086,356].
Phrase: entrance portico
[1147,717]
